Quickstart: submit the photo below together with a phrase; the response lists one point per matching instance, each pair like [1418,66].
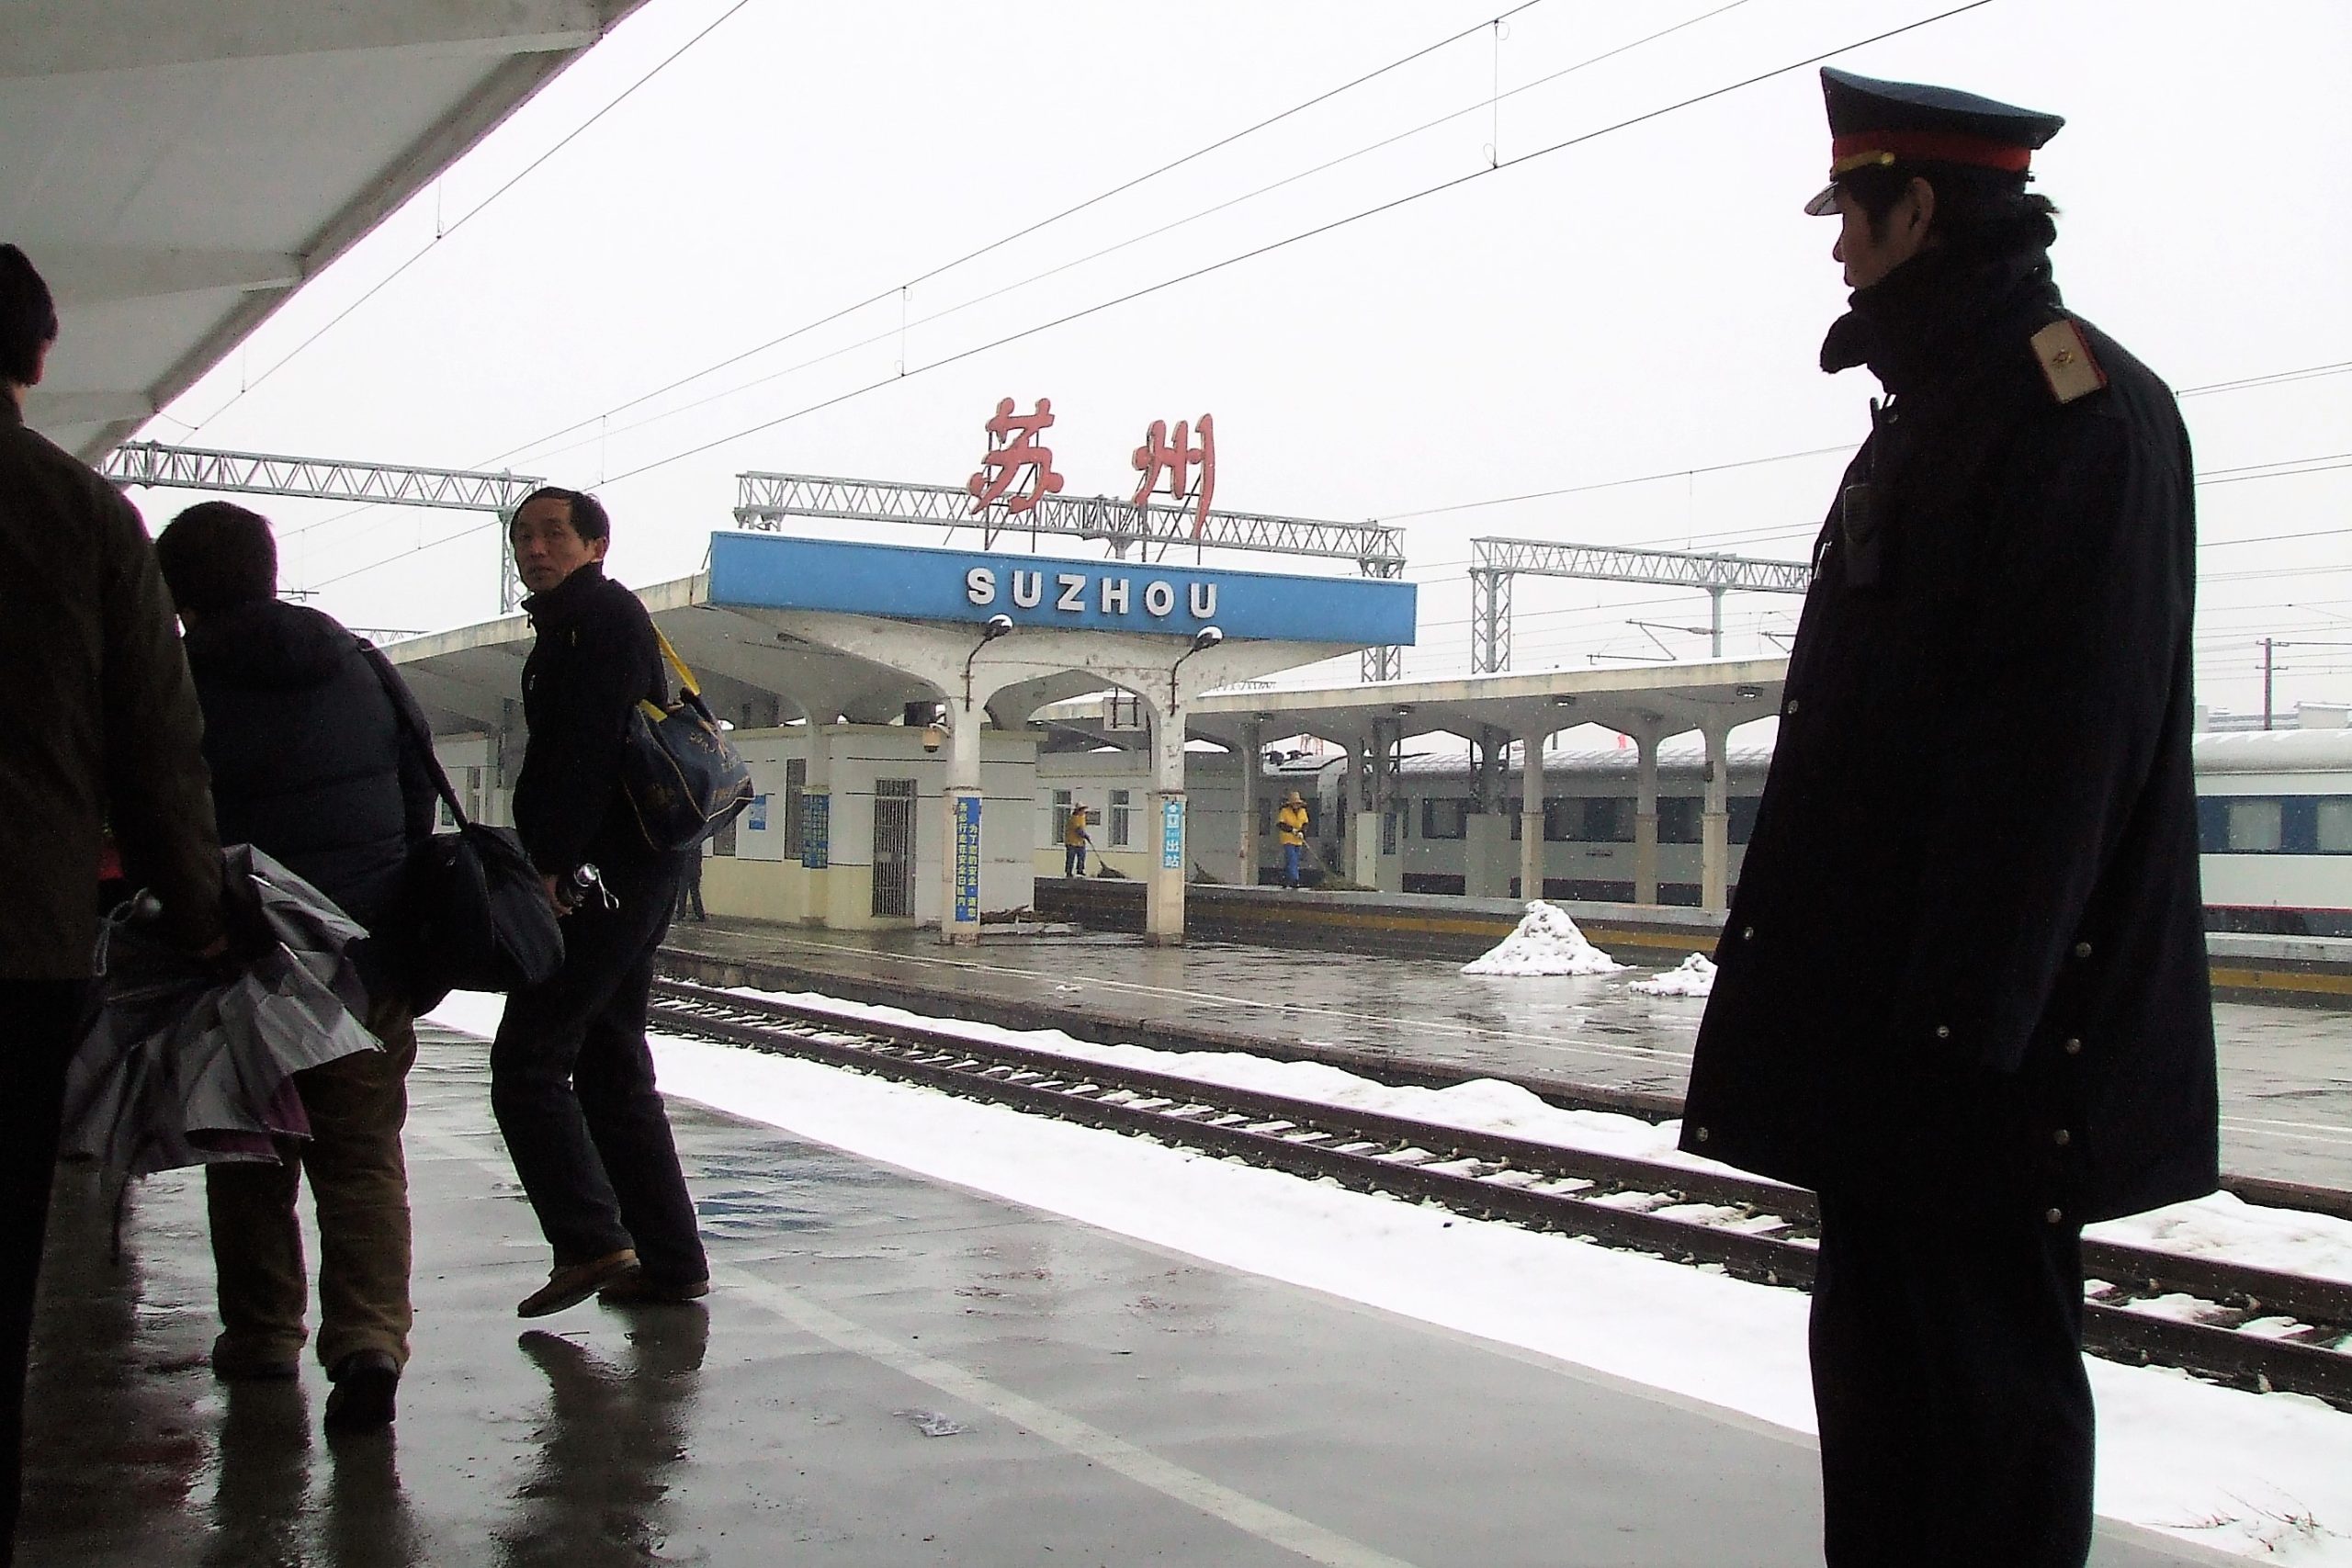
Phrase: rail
[2251,1327]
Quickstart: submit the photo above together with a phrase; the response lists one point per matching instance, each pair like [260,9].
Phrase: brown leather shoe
[572,1283]
[642,1289]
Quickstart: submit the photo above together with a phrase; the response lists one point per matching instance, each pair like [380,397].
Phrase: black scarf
[1924,322]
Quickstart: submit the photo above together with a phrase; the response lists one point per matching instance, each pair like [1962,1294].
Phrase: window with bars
[795,789]
[1123,819]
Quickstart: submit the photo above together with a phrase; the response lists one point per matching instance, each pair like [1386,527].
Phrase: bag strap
[412,727]
[686,680]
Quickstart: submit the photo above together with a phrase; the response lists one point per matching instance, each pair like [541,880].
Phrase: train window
[2298,825]
[1445,818]
[2332,828]
[2212,825]
[1561,818]
[2255,824]
[1743,817]
[1607,820]
[1678,820]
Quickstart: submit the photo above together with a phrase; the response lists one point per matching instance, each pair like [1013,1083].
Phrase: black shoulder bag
[683,777]
[475,915]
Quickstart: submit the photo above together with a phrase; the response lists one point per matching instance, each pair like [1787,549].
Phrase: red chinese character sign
[1014,455]
[1175,458]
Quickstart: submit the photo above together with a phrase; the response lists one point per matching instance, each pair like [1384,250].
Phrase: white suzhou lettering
[979,586]
[1028,589]
[1203,599]
[1159,598]
[1114,596]
[1072,596]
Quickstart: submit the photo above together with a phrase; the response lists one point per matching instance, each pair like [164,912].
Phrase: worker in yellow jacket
[1074,841]
[1290,832]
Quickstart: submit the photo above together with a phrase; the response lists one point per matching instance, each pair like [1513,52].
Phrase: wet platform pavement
[1118,1404]
[2285,1070]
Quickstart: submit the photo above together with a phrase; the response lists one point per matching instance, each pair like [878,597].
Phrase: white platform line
[1302,1538]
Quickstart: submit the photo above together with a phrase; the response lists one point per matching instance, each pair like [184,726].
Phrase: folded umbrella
[185,1063]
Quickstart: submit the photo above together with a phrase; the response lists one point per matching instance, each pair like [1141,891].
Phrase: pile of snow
[1547,942]
[1696,978]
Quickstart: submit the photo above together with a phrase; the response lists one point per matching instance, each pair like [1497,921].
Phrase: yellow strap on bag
[686,676]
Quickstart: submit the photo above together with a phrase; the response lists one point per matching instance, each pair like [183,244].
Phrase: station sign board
[776,571]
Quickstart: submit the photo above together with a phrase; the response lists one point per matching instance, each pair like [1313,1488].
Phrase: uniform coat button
[1699,1134]
[1792,708]
[2062,1137]
[1943,1031]
[2082,950]
[2074,1047]
[1747,934]
[2054,1216]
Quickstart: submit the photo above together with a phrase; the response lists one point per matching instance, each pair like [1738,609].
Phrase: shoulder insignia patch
[2067,363]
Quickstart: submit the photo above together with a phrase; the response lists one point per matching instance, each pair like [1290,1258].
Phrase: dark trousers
[572,1083]
[39,1022]
[356,1106]
[1073,860]
[1948,1375]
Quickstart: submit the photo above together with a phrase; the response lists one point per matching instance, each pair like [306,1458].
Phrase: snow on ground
[1547,942]
[1694,977]
[2261,1475]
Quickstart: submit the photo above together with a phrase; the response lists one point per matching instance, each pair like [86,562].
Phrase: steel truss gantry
[764,500]
[166,466]
[1494,562]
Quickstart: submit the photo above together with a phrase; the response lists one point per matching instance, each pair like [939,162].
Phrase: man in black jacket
[101,727]
[571,1077]
[1963,989]
[312,764]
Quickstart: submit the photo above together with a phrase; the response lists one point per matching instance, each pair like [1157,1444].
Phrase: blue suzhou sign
[775,571]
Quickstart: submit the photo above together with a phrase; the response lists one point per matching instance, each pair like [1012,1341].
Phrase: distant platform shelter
[877,687]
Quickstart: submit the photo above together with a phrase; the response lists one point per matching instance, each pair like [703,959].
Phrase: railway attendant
[1962,987]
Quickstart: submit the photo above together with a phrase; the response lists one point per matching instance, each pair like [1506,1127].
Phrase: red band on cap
[1929,146]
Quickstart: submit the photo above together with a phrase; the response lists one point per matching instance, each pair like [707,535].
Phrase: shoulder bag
[475,915]
[683,777]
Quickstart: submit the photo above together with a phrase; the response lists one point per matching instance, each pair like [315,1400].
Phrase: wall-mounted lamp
[1203,640]
[994,628]
[1748,694]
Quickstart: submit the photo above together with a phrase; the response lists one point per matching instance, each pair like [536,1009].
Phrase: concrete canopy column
[1363,830]
[1646,817]
[1163,902]
[1245,864]
[959,800]
[1486,847]
[1714,835]
[1530,812]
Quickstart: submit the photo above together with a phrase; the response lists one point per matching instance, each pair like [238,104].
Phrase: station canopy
[176,168]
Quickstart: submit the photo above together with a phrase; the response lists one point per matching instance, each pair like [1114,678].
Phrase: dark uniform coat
[1966,955]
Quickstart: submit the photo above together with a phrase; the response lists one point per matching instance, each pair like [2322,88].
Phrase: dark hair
[588,519]
[28,317]
[217,555]
[1976,209]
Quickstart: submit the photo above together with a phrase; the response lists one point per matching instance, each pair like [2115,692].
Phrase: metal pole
[2266,683]
[1717,621]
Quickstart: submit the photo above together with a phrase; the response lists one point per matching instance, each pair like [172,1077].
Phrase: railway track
[2249,1327]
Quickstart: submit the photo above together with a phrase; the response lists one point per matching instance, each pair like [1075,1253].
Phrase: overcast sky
[1648,301]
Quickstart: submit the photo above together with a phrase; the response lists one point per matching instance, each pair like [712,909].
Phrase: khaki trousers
[359,1187]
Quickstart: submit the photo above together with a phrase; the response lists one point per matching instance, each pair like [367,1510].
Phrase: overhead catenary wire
[470,215]
[1393,204]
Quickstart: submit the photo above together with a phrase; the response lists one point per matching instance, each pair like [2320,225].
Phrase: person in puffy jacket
[312,764]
